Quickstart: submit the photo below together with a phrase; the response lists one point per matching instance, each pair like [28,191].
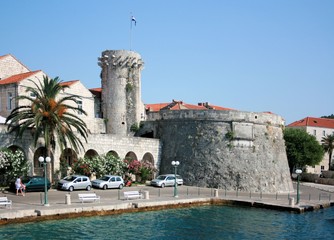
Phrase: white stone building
[14,79]
[318,127]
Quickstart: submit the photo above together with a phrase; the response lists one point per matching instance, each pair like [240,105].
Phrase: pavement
[63,204]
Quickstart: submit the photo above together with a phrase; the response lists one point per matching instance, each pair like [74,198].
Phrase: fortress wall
[224,149]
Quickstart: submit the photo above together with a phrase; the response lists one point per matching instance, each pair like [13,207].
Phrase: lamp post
[298,172]
[45,161]
[175,165]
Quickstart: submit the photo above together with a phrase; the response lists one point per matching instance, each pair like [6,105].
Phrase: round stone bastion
[232,150]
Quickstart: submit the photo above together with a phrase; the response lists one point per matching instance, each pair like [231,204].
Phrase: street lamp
[298,172]
[45,161]
[175,164]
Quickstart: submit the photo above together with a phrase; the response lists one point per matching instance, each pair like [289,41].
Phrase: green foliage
[302,148]
[100,165]
[329,116]
[12,165]
[134,127]
[328,145]
[129,87]
[50,115]
[229,135]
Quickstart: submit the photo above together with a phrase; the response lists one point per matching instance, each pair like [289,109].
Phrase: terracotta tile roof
[68,83]
[179,105]
[313,122]
[18,77]
[155,107]
[210,106]
[96,91]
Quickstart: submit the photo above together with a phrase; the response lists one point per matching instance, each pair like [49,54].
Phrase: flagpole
[130,31]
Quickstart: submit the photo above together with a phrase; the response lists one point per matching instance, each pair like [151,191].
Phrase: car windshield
[104,178]
[161,177]
[70,178]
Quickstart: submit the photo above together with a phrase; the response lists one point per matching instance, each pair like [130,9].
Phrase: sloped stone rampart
[223,149]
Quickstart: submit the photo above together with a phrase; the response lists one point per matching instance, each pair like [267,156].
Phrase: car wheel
[105,187]
[120,186]
[71,189]
[88,188]
[162,185]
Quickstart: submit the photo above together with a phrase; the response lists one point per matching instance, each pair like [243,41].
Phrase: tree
[302,148]
[49,115]
[329,116]
[12,164]
[328,145]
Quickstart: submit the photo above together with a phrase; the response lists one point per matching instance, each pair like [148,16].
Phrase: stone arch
[113,153]
[91,153]
[38,167]
[68,156]
[131,156]
[148,157]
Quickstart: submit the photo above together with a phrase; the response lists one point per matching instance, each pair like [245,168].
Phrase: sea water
[207,222]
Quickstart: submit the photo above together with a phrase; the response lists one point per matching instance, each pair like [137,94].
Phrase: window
[322,168]
[314,132]
[9,101]
[80,107]
[323,133]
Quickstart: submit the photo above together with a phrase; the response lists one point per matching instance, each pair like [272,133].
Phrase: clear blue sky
[256,56]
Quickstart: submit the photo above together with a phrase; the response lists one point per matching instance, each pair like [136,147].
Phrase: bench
[5,201]
[132,194]
[88,197]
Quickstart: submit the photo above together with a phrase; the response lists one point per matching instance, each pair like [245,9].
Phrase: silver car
[75,182]
[167,180]
[109,181]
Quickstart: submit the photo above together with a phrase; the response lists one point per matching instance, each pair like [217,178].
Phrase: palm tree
[49,115]
[328,145]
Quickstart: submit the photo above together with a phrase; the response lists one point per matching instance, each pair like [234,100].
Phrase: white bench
[88,197]
[5,201]
[132,194]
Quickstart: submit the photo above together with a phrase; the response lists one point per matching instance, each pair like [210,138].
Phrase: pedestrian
[19,186]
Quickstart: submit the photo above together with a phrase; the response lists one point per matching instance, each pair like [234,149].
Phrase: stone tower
[121,91]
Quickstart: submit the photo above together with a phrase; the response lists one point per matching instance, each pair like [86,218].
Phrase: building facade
[320,128]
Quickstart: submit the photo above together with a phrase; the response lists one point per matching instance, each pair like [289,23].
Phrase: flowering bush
[12,164]
[143,169]
[100,165]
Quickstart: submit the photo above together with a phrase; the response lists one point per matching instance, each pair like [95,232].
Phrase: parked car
[33,183]
[109,181]
[167,180]
[75,182]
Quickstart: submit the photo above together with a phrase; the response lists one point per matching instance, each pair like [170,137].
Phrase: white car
[167,180]
[75,182]
[109,181]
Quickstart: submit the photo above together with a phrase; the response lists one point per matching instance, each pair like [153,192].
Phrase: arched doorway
[113,153]
[39,168]
[91,153]
[67,158]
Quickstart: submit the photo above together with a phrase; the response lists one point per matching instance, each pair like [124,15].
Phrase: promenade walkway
[30,207]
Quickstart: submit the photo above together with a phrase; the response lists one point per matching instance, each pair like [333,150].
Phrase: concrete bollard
[146,194]
[68,199]
[215,192]
[292,201]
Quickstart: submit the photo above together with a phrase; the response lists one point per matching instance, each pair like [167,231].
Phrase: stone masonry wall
[223,149]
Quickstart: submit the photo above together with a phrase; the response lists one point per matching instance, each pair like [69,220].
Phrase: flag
[133,20]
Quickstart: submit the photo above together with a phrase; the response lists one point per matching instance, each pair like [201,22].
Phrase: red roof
[18,77]
[180,105]
[96,91]
[69,83]
[313,122]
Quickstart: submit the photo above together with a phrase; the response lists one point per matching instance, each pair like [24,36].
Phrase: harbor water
[206,222]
